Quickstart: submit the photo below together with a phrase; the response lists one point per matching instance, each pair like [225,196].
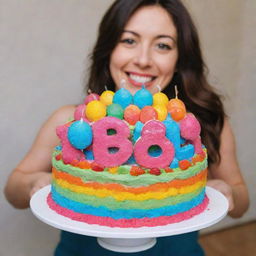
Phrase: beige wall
[43,45]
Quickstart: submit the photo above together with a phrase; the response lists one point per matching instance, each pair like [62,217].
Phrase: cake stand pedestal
[130,239]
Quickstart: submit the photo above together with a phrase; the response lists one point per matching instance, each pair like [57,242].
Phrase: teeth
[140,79]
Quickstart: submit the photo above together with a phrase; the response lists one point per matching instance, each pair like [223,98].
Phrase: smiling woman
[152,43]
[147,52]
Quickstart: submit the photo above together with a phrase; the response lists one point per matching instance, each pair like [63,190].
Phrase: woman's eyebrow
[157,37]
[166,36]
[132,32]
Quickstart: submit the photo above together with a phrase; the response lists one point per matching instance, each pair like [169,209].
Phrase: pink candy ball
[80,113]
[91,97]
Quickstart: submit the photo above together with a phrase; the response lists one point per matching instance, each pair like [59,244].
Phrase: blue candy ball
[123,97]
[143,98]
[80,135]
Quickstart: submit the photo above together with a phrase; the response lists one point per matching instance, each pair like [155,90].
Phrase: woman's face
[147,51]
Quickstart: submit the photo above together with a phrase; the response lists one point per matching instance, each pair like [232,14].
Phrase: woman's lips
[137,79]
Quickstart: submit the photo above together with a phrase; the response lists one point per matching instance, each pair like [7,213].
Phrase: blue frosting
[173,134]
[137,131]
[131,160]
[89,154]
[128,214]
[59,147]
[174,163]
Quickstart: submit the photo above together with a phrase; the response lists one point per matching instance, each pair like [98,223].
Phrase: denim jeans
[179,245]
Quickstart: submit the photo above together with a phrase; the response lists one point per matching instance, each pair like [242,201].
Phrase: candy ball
[123,97]
[160,98]
[143,98]
[80,135]
[177,109]
[175,103]
[132,114]
[148,113]
[95,110]
[115,110]
[107,97]
[91,97]
[80,113]
[161,112]
[177,113]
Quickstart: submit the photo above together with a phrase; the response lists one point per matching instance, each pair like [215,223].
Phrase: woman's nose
[143,57]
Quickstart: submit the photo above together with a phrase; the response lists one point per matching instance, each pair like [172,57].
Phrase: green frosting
[123,177]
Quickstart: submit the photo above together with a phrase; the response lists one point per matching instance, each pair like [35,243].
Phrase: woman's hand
[225,189]
[43,179]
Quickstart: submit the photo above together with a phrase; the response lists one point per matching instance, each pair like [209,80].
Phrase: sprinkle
[184,164]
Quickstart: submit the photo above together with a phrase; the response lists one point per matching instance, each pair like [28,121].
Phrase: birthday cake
[129,161]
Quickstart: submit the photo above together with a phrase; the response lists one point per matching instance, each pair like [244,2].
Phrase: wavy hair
[199,97]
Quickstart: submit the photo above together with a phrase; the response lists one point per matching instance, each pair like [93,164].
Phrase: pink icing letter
[69,153]
[103,143]
[153,133]
[190,130]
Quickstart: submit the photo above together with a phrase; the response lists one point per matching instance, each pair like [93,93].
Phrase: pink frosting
[69,153]
[190,130]
[127,223]
[153,133]
[102,142]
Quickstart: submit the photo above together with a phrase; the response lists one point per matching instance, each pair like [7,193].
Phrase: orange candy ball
[132,114]
[177,109]
[176,103]
[148,113]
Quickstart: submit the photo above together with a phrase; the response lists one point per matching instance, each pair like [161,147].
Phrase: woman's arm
[34,171]
[226,176]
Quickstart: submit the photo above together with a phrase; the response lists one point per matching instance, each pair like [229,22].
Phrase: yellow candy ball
[161,112]
[107,97]
[95,110]
[160,98]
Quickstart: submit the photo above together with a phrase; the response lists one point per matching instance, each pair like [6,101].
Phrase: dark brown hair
[194,90]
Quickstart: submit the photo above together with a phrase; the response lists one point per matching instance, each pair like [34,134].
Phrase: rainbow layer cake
[129,161]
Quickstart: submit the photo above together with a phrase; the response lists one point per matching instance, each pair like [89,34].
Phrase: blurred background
[44,47]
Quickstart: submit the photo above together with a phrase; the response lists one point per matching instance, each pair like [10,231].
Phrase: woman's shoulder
[59,117]
[63,113]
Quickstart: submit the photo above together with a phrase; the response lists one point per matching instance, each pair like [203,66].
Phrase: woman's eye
[164,46]
[128,41]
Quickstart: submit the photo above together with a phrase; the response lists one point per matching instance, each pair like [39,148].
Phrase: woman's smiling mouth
[140,79]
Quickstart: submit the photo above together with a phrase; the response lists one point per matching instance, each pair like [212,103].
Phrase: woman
[151,42]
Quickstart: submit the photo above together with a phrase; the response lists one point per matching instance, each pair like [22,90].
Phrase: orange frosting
[120,188]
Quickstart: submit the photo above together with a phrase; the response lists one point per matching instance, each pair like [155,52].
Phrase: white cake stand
[130,239]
